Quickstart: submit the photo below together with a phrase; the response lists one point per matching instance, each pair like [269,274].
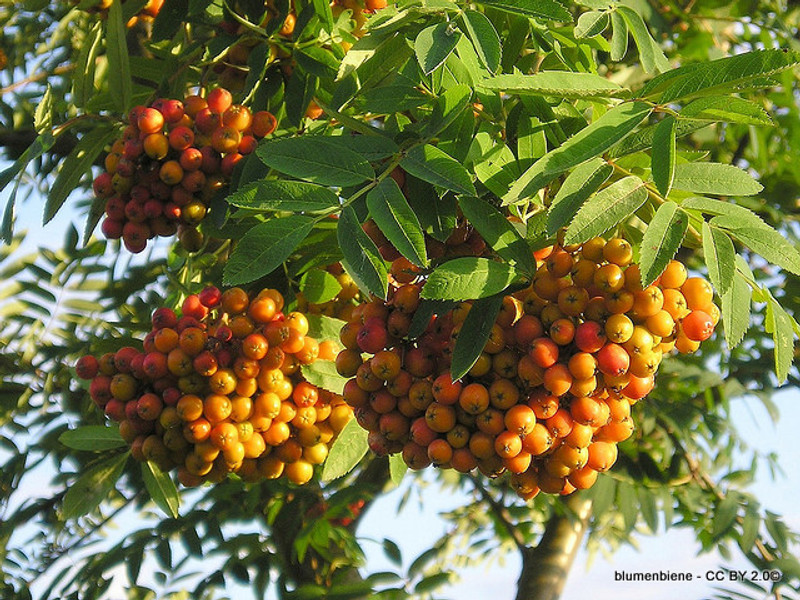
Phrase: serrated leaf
[591,23]
[265,247]
[467,278]
[661,240]
[718,76]
[581,183]
[715,178]
[474,334]
[643,139]
[426,310]
[564,84]
[317,61]
[323,374]
[161,489]
[434,44]
[397,468]
[395,218]
[779,324]
[74,167]
[608,208]
[751,523]
[544,9]
[761,239]
[92,487]
[85,66]
[435,166]
[319,286]
[322,327]
[726,108]
[498,232]
[736,310]
[647,505]
[720,257]
[120,85]
[391,98]
[531,140]
[282,195]
[361,254]
[664,155]
[484,38]
[94,438]
[589,142]
[619,37]
[347,450]
[650,53]
[316,159]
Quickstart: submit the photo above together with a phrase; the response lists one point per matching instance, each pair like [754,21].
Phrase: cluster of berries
[550,396]
[170,161]
[219,389]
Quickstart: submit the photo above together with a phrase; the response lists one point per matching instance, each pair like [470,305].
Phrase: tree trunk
[546,566]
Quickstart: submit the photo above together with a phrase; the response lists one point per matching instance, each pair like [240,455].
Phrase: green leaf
[85,66]
[720,257]
[474,334]
[75,166]
[545,9]
[316,159]
[323,374]
[371,147]
[432,582]
[581,183]
[643,139]
[92,487]
[619,37]
[609,207]
[39,146]
[319,286]
[715,178]
[591,23]
[467,278]
[779,324]
[161,489]
[94,438]
[762,239]
[661,240]
[724,516]
[531,140]
[169,20]
[391,98]
[751,523]
[434,44]
[322,9]
[43,114]
[650,54]
[484,38]
[647,505]
[317,61]
[721,76]
[589,142]
[397,469]
[395,218]
[726,108]
[434,166]
[664,155]
[361,254]
[563,84]
[423,314]
[120,85]
[347,450]
[322,327]
[283,195]
[265,247]
[498,232]
[736,309]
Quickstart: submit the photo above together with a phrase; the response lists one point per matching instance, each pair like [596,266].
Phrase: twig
[500,511]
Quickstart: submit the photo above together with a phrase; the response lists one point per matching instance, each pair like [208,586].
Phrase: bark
[546,566]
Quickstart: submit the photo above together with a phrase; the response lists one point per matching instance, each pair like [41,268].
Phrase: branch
[501,512]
